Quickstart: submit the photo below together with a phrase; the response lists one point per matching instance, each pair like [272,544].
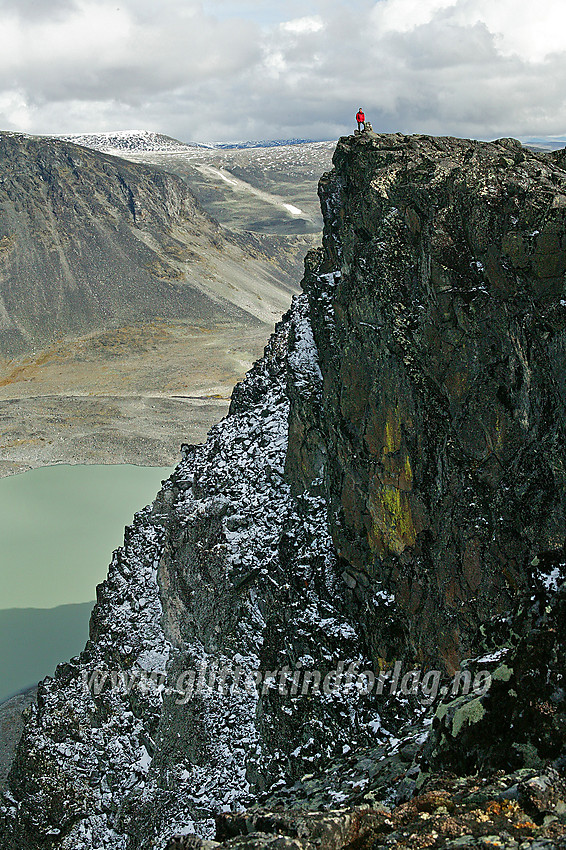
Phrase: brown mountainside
[90,241]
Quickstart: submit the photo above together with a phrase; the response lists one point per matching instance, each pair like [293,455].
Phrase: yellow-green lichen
[498,445]
[502,673]
[393,527]
[392,431]
[408,472]
[470,712]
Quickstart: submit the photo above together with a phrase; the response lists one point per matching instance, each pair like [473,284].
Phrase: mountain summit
[128,140]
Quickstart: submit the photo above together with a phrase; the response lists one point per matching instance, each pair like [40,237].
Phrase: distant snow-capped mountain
[264,143]
[128,140]
[145,140]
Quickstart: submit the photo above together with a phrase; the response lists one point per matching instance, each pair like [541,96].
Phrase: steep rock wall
[438,313]
[226,570]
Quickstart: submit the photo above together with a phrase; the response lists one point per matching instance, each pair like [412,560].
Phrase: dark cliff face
[521,720]
[442,348]
[389,476]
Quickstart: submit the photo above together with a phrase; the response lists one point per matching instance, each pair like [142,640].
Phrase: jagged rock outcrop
[389,475]
[442,349]
[508,811]
[520,722]
[224,571]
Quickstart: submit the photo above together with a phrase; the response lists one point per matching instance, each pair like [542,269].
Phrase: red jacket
[361,117]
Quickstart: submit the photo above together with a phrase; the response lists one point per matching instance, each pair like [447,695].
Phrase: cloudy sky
[253,69]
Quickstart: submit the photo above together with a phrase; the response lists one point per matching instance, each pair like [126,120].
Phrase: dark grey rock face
[390,476]
[520,722]
[11,726]
[438,311]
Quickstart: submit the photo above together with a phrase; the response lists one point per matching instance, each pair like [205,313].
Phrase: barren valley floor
[132,395]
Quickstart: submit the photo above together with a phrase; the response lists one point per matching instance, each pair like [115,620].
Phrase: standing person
[361,119]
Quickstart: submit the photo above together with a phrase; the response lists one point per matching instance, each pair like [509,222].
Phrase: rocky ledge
[507,811]
[272,656]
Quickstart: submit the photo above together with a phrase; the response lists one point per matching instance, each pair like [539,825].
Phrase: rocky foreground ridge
[386,495]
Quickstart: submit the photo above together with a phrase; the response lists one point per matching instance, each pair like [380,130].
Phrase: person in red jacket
[361,119]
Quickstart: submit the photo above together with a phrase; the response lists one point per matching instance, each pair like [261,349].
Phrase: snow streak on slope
[242,187]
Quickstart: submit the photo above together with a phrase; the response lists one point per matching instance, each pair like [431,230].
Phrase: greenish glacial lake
[58,528]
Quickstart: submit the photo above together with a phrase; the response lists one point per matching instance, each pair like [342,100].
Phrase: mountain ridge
[139,140]
[119,294]
[148,140]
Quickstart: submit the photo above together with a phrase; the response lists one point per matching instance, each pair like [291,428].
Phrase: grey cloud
[180,70]
[444,46]
[37,9]
[155,57]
